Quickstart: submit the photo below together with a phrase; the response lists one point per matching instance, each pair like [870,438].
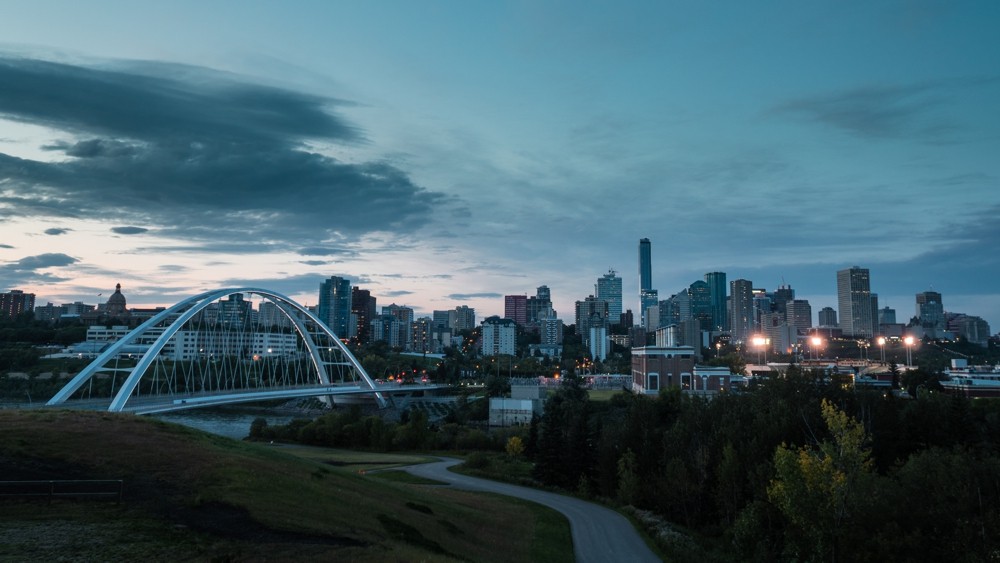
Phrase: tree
[515,447]
[820,490]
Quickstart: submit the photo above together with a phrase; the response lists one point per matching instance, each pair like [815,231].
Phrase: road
[599,534]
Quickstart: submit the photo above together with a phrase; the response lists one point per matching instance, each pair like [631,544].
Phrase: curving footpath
[599,534]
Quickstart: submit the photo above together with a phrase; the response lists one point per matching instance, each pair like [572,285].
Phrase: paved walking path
[599,534]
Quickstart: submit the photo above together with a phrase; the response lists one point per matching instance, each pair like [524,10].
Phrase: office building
[647,295]
[363,311]
[827,317]
[886,316]
[609,288]
[590,312]
[798,314]
[462,317]
[858,309]
[717,297]
[741,309]
[930,310]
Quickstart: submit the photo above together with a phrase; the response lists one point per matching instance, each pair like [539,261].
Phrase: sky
[449,152]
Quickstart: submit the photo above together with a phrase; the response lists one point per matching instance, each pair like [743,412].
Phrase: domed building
[115,307]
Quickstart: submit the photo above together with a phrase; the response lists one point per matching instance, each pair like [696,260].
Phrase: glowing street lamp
[881,345]
[815,344]
[760,342]
[909,345]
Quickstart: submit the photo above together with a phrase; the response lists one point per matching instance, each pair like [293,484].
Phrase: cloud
[129,230]
[6,246]
[29,269]
[56,231]
[325,251]
[315,262]
[204,156]
[881,112]
[397,293]
[467,296]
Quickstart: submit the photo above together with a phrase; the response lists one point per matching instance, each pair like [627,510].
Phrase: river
[229,422]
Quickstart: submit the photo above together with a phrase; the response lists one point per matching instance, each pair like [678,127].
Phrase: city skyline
[455,154]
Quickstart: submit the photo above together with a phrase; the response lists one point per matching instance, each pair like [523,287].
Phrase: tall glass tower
[717,291]
[335,305]
[609,288]
[648,296]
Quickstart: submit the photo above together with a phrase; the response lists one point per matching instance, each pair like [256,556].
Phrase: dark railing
[64,488]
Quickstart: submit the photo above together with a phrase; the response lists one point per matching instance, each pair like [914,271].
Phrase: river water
[231,423]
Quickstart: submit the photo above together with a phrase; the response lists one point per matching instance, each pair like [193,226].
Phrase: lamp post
[760,342]
[816,342]
[909,345]
[881,345]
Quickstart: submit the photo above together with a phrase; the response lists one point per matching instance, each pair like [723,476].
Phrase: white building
[499,337]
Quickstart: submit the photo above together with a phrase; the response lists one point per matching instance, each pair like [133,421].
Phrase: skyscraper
[363,311]
[590,312]
[648,296]
[741,309]
[609,288]
[645,264]
[930,310]
[515,307]
[858,311]
[335,305]
[717,293]
[827,317]
[798,313]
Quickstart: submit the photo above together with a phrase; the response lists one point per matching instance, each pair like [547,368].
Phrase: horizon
[454,154]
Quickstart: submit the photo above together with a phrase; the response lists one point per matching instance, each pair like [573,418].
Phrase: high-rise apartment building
[540,306]
[858,310]
[335,305]
[609,288]
[717,295]
[499,337]
[15,302]
[404,315]
[363,311]
[515,308]
[741,309]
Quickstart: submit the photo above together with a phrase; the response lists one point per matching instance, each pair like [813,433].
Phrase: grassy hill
[194,496]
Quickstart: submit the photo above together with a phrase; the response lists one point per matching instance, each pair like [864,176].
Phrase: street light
[881,345]
[816,343]
[760,342]
[909,345]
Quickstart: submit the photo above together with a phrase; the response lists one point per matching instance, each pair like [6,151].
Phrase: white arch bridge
[221,347]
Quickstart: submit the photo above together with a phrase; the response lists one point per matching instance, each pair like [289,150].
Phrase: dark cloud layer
[129,230]
[29,269]
[55,231]
[876,112]
[200,155]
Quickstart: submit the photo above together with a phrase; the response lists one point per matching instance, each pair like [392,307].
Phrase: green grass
[191,495]
[404,477]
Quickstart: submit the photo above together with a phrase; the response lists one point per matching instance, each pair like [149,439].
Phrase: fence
[63,488]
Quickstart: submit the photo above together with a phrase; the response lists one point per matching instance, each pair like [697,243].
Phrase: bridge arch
[203,346]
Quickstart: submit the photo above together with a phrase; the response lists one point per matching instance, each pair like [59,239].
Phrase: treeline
[354,430]
[794,469]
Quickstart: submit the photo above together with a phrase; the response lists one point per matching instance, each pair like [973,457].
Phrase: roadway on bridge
[599,534]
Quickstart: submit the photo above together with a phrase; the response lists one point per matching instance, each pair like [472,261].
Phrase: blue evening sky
[443,153]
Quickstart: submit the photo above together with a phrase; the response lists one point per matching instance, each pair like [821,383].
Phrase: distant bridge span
[221,347]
